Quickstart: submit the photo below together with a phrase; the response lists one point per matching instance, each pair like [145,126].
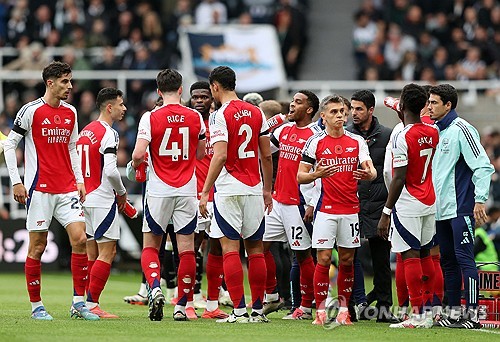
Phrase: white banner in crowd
[252,51]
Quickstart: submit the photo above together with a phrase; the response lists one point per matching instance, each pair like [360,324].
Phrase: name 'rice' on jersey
[173,131]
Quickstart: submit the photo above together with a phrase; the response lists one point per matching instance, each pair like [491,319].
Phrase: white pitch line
[487,331]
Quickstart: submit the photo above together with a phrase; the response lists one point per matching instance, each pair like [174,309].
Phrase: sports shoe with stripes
[444,321]
[273,306]
[299,314]
[41,314]
[258,318]
[180,316]
[136,299]
[80,310]
[465,323]
[156,306]
[232,318]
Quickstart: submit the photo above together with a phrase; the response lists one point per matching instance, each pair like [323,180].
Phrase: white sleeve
[218,128]
[9,150]
[311,192]
[144,130]
[265,127]
[309,151]
[387,173]
[75,158]
[111,171]
[400,151]
[203,129]
[364,153]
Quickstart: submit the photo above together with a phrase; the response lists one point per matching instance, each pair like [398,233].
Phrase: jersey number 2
[175,151]
[242,154]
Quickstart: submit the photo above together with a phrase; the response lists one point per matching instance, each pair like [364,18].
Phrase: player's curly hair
[55,70]
[223,75]
[413,98]
[447,93]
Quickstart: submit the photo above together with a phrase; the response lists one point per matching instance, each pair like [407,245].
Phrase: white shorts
[240,216]
[329,228]
[412,232]
[285,223]
[159,210]
[102,223]
[204,223]
[42,207]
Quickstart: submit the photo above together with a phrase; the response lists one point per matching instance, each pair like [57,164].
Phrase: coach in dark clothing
[372,197]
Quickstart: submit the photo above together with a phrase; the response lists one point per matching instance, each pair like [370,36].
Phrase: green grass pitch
[134,325]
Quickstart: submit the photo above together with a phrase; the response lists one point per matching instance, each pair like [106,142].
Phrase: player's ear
[179,91]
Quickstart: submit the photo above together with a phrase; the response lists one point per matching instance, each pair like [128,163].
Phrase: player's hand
[81,191]
[383,226]
[325,171]
[309,214]
[121,201]
[268,201]
[362,174]
[20,193]
[480,214]
[202,207]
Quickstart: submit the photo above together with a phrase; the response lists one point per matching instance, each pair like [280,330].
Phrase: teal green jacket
[461,169]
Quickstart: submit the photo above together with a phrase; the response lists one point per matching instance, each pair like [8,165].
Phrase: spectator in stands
[41,24]
[95,10]
[427,45]
[16,25]
[438,25]
[77,61]
[121,31]
[68,12]
[8,114]
[291,25]
[472,67]
[210,12]
[397,11]
[261,11]
[364,34]
[458,46]
[397,45]
[410,68]
[108,60]
[151,26]
[87,111]
[413,24]
[375,67]
[98,34]
[470,23]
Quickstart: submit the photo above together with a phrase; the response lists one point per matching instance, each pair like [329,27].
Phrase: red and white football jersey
[240,124]
[414,147]
[173,132]
[95,139]
[291,140]
[203,165]
[338,192]
[49,131]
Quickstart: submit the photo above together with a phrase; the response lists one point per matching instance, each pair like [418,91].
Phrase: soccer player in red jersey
[335,155]
[411,202]
[55,183]
[97,147]
[291,211]
[175,136]
[239,136]
[201,100]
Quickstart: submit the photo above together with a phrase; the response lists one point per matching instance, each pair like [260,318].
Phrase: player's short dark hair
[427,88]
[223,75]
[346,101]
[414,98]
[364,96]
[55,70]
[199,85]
[107,94]
[334,98]
[168,80]
[312,100]
[447,93]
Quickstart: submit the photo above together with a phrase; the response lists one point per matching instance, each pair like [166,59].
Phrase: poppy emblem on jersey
[293,137]
[338,149]
[57,119]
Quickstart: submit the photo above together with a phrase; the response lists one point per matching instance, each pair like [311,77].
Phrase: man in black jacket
[372,196]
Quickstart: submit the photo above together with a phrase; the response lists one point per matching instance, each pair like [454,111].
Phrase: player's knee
[324,259]
[79,242]
[346,260]
[36,249]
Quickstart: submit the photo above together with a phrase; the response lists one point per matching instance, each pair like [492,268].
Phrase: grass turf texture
[134,325]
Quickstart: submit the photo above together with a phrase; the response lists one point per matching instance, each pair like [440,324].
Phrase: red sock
[271,282]
[345,281]
[186,276]
[427,280]
[98,279]
[33,272]
[401,288]
[438,279]
[151,266]
[90,263]
[413,275]
[321,281]
[233,275]
[257,273]
[79,264]
[306,282]
[215,274]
